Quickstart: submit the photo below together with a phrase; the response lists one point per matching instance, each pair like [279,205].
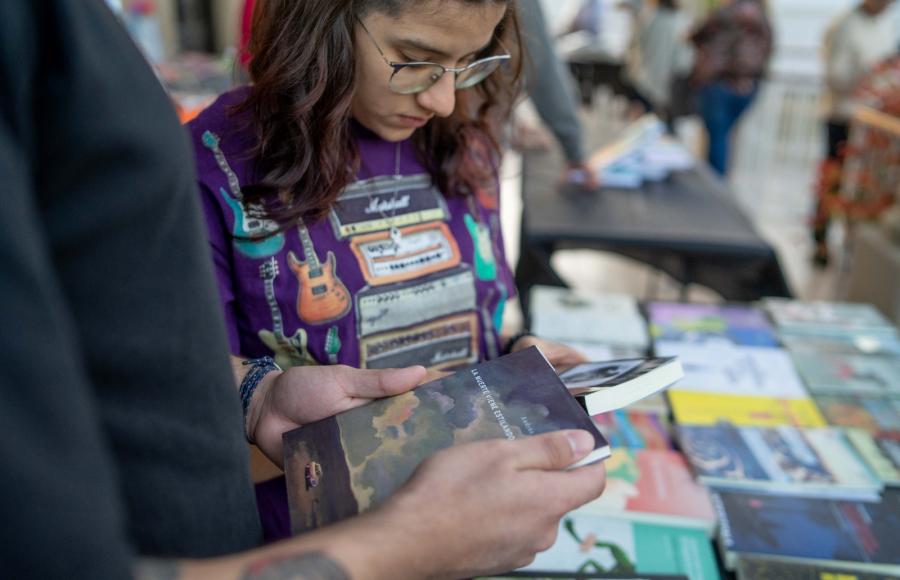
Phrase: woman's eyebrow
[422,45]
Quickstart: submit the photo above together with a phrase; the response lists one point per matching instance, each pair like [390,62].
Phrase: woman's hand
[286,400]
[557,354]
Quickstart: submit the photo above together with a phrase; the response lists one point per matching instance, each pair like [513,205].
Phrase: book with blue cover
[809,462]
[805,529]
[710,324]
[353,461]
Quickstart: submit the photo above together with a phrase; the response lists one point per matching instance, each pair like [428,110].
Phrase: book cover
[653,486]
[577,576]
[735,370]
[635,429]
[793,527]
[880,451]
[761,568]
[587,543]
[565,314]
[869,412]
[833,373]
[815,462]
[827,318]
[351,462]
[606,386]
[706,409]
[710,324]
[802,344]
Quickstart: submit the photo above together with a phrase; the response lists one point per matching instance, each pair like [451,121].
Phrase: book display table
[687,225]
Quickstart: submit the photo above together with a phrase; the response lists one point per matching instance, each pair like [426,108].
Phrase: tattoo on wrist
[146,569]
[313,566]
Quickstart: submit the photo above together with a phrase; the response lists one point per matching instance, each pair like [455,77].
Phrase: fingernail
[581,442]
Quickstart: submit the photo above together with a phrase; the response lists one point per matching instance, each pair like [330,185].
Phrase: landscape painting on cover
[359,457]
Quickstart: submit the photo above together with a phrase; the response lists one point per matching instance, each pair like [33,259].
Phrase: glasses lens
[415,78]
[476,74]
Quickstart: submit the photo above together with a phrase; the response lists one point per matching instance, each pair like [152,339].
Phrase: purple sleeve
[221,251]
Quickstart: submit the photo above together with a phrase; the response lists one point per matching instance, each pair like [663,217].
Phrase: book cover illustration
[596,544]
[864,532]
[635,429]
[653,486]
[823,318]
[586,378]
[353,461]
[710,324]
[564,314]
[813,462]
[739,370]
[850,373]
[761,568]
[870,412]
[706,409]
[880,451]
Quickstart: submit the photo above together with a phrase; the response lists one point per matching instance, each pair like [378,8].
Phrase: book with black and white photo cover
[351,462]
[610,385]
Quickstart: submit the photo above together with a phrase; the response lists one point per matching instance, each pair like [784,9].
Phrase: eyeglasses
[414,77]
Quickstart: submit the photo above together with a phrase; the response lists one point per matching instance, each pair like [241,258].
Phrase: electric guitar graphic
[332,345]
[322,297]
[289,352]
[248,218]
[485,262]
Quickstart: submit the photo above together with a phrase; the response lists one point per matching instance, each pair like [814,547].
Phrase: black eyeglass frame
[398,66]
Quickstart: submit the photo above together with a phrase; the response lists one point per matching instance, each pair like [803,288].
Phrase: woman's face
[446,32]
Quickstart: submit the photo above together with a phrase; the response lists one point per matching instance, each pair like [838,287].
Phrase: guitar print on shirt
[289,352]
[249,220]
[322,297]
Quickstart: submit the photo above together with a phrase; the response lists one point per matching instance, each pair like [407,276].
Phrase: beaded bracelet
[261,367]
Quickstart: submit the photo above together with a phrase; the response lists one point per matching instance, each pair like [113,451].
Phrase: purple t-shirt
[396,275]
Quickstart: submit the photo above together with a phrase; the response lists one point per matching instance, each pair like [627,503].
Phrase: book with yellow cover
[707,409]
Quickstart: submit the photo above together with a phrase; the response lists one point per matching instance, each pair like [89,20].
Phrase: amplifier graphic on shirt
[382,309]
[445,343]
[385,202]
[417,251]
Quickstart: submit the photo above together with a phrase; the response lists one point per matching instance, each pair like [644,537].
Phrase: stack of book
[643,152]
[735,371]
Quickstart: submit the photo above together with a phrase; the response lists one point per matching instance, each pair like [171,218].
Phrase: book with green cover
[587,543]
[880,451]
[834,373]
[350,462]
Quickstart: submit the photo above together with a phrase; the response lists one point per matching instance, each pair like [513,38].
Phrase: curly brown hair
[303,77]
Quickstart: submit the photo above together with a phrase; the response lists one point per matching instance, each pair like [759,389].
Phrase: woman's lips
[412,121]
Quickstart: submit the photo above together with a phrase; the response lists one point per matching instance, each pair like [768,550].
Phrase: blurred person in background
[658,54]
[852,46]
[733,49]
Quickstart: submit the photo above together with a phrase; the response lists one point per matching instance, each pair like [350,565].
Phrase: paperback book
[803,344]
[880,451]
[865,374]
[563,314]
[635,429]
[870,412]
[610,385]
[653,486]
[818,462]
[760,568]
[828,318]
[710,324]
[353,461]
[587,543]
[804,529]
[735,370]
[708,409]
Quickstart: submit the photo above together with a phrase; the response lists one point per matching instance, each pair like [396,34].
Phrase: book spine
[722,515]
